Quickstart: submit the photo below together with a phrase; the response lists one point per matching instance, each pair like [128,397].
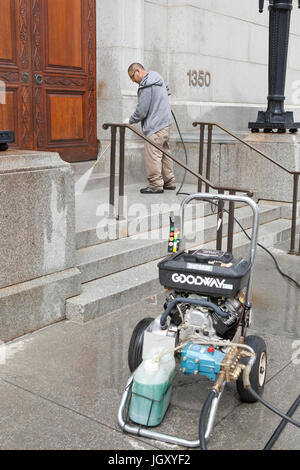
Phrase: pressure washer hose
[272,408]
[203,418]
[186,155]
[286,417]
[246,380]
[282,425]
[212,203]
[178,300]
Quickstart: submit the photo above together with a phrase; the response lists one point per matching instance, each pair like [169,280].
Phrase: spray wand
[80,185]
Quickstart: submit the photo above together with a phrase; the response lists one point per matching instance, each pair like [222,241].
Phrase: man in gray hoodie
[154,113]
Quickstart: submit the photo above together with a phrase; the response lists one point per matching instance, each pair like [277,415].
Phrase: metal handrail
[201,179]
[295,174]
[197,175]
[195,124]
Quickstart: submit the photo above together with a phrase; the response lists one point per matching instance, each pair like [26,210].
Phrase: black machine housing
[204,272]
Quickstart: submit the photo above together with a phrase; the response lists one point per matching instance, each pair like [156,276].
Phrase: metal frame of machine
[239,357]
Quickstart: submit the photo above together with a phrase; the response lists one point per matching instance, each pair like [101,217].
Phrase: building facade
[212,53]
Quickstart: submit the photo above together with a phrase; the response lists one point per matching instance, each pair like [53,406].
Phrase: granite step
[96,181]
[104,259]
[143,214]
[109,293]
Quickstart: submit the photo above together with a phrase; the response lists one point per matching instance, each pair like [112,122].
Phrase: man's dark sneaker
[171,188]
[151,191]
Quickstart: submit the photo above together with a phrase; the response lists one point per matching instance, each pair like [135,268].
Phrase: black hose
[269,253]
[286,418]
[211,202]
[262,247]
[278,267]
[186,156]
[185,300]
[282,425]
[203,418]
[272,408]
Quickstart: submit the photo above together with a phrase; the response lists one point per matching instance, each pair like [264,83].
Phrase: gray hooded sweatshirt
[153,110]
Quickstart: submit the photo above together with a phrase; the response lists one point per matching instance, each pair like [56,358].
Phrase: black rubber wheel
[258,371]
[135,349]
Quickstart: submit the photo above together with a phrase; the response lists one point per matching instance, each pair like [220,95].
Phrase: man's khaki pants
[158,166]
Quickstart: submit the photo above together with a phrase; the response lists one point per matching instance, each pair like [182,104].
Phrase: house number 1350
[199,78]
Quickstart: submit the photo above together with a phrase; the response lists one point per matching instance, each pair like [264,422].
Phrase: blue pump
[203,360]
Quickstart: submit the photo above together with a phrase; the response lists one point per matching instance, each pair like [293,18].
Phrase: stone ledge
[26,160]
[32,305]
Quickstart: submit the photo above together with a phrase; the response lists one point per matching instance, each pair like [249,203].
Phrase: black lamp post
[276,117]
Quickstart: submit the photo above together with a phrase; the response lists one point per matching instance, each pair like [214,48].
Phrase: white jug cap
[151,366]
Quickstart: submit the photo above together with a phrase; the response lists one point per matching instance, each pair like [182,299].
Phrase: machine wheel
[258,371]
[135,349]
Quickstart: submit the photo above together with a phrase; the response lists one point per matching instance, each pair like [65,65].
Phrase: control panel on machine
[173,237]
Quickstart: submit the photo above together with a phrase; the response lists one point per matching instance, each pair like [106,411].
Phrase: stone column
[37,250]
[120,41]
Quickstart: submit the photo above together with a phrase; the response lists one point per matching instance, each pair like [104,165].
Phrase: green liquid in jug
[145,411]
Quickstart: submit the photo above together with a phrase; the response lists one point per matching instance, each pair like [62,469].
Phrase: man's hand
[126,121]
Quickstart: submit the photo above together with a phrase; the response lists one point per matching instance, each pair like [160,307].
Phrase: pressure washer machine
[203,327]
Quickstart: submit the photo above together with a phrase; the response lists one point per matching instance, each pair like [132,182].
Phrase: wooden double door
[48,66]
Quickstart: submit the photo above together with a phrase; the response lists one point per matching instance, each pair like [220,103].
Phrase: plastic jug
[152,389]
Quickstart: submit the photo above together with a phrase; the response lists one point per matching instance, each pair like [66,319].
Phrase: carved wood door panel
[15,66]
[51,105]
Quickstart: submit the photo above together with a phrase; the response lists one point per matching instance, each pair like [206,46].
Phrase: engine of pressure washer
[214,277]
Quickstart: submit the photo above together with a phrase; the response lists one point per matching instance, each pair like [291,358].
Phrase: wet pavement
[60,387]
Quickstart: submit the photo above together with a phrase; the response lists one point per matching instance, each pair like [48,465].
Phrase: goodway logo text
[200,281]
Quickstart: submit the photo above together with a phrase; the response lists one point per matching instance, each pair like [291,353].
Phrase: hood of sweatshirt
[150,79]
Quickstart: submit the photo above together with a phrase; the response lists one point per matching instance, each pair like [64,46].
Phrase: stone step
[286,208]
[143,213]
[112,292]
[79,168]
[104,259]
[96,181]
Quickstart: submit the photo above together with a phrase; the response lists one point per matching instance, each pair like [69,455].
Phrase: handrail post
[230,224]
[120,214]
[112,171]
[294,214]
[220,222]
[208,160]
[201,155]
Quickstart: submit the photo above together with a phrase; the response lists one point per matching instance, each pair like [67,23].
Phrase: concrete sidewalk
[60,387]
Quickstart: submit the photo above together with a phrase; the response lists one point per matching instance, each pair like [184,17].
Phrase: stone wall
[227,39]
[37,253]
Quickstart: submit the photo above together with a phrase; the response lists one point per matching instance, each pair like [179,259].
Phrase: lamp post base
[281,122]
